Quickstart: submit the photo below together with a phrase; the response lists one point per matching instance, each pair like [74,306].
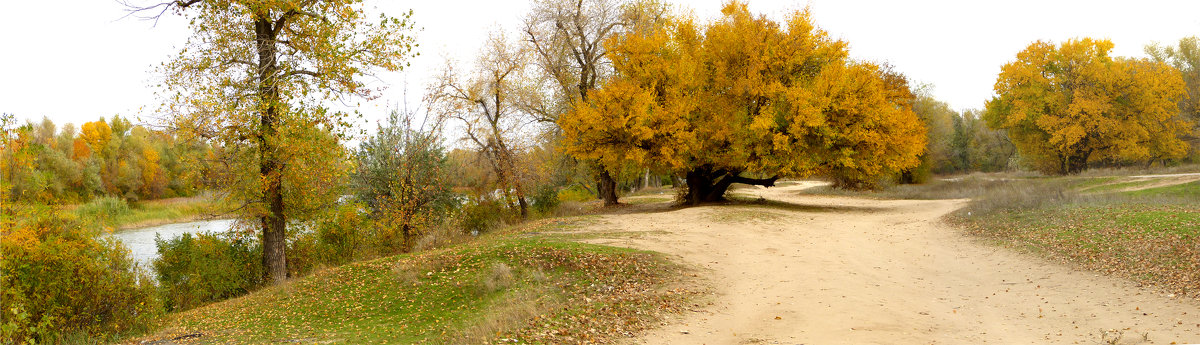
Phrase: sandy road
[837,270]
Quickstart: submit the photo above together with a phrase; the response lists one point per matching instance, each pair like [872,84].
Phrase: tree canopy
[746,99]
[254,78]
[1071,104]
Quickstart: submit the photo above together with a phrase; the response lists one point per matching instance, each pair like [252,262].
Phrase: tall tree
[253,78]
[747,100]
[1186,58]
[567,41]
[1068,105]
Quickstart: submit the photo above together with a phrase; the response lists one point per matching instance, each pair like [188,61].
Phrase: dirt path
[837,270]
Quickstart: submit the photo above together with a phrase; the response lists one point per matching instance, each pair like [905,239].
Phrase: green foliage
[60,278]
[400,175]
[193,270]
[481,214]
[336,237]
[575,193]
[545,198]
[54,166]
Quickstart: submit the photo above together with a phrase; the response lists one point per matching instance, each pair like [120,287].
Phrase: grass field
[513,285]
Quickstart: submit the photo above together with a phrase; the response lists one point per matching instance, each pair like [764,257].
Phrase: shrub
[574,193]
[334,238]
[193,270]
[62,279]
[481,214]
[545,198]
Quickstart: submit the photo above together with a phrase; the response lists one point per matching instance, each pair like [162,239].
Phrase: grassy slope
[513,286]
[1151,236]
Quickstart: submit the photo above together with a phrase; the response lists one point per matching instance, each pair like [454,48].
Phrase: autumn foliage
[746,99]
[1070,105]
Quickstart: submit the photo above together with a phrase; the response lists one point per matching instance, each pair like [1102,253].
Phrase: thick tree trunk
[607,187]
[708,185]
[274,223]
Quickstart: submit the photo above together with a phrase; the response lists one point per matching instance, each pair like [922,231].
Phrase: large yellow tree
[254,79]
[1072,104]
[746,99]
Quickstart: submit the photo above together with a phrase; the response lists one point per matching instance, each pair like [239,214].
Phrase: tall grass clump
[104,210]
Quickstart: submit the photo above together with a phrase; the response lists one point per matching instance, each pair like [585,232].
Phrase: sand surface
[842,270]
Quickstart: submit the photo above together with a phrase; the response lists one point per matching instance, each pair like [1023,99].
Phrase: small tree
[400,175]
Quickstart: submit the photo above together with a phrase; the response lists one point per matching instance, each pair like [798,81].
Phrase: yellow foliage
[747,94]
[96,134]
[1070,105]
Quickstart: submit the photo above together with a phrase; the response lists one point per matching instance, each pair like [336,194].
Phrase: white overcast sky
[76,60]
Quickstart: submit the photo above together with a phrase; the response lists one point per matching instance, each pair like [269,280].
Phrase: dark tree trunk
[274,223]
[608,187]
[706,184]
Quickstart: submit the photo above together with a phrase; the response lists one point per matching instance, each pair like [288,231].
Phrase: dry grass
[497,277]
[517,308]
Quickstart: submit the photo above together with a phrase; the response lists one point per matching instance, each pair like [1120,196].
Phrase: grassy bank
[510,285]
[119,214]
[1151,236]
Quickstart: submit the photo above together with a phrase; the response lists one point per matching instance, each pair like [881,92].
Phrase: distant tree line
[57,165]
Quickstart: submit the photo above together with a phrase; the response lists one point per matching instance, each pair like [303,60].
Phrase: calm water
[141,241]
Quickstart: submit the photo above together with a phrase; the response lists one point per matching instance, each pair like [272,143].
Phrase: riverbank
[120,215]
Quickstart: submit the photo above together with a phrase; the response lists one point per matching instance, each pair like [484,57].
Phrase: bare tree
[486,104]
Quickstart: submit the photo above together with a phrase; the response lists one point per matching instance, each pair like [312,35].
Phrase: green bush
[193,270]
[59,278]
[334,238]
[545,198]
[481,214]
[574,193]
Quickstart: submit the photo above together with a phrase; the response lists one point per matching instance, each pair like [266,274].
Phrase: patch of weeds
[743,215]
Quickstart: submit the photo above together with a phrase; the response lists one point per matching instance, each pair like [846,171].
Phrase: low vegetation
[64,284]
[119,214]
[512,287]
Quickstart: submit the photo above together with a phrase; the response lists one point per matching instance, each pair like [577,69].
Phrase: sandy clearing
[840,270]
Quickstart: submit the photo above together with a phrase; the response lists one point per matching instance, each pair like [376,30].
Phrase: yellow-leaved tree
[1069,105]
[254,79]
[747,100]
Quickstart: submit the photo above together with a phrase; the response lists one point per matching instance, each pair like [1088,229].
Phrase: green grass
[1115,186]
[512,285]
[1185,190]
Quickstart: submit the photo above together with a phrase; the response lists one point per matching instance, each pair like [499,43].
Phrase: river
[141,241]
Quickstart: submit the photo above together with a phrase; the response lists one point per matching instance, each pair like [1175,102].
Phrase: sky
[77,60]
